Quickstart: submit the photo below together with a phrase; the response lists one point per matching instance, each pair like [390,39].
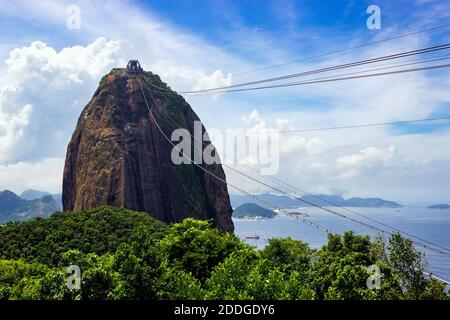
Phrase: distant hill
[101,230]
[439,206]
[321,200]
[32,194]
[251,210]
[14,208]
[58,199]
[370,203]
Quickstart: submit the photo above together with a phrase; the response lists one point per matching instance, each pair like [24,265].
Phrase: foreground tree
[196,247]
[192,260]
[410,265]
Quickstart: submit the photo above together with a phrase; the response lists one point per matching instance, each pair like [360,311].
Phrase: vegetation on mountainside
[129,255]
[96,231]
[252,210]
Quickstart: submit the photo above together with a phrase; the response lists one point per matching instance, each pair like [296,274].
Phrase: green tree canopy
[137,257]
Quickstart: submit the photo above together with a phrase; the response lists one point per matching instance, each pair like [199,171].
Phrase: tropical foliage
[129,255]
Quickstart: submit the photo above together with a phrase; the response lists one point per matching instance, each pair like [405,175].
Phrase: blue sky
[49,72]
[300,26]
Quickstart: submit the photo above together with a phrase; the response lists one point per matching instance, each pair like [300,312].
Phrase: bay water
[429,224]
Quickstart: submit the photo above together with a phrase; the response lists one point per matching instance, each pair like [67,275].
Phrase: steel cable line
[332,68]
[306,221]
[383,232]
[342,50]
[431,275]
[327,69]
[346,126]
[365,125]
[386,67]
[388,232]
[357,125]
[252,196]
[434,67]
[294,187]
[373,220]
[271,205]
[283,184]
[330,211]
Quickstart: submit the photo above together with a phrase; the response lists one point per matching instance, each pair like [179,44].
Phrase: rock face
[118,156]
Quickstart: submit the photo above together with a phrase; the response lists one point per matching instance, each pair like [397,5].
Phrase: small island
[439,206]
[252,211]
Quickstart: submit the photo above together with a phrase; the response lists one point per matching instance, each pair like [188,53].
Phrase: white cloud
[283,124]
[418,162]
[214,80]
[47,91]
[315,146]
[12,138]
[368,159]
[72,65]
[44,175]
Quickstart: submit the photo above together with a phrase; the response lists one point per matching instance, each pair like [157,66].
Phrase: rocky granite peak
[118,157]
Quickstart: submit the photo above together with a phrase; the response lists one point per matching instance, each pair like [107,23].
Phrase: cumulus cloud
[368,159]
[42,175]
[283,124]
[47,90]
[12,138]
[295,154]
[71,65]
[203,80]
[418,162]
[214,80]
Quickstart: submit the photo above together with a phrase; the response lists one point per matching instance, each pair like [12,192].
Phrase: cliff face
[117,156]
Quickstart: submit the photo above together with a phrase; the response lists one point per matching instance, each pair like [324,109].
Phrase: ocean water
[428,224]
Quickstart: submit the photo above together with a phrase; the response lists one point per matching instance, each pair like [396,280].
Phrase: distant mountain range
[318,200]
[32,194]
[439,206]
[252,210]
[30,204]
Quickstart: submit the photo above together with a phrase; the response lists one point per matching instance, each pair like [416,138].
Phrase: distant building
[134,65]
